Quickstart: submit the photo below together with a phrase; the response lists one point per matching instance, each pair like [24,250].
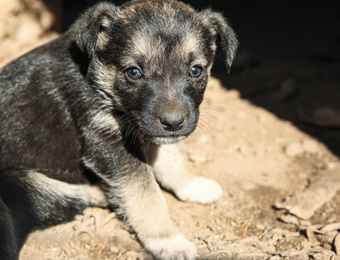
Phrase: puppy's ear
[91,27]
[225,37]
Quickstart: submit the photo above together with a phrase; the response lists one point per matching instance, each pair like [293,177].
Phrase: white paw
[176,247]
[201,190]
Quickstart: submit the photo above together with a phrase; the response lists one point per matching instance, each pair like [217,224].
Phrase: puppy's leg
[172,174]
[31,200]
[132,189]
[141,204]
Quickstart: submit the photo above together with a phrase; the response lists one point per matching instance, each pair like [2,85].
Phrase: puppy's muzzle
[172,121]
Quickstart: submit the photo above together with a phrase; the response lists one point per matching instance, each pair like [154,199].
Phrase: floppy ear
[225,37]
[91,27]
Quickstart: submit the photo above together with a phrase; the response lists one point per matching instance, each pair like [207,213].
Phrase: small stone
[88,246]
[114,249]
[260,226]
[233,223]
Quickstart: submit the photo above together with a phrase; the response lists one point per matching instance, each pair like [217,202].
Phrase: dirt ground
[269,134]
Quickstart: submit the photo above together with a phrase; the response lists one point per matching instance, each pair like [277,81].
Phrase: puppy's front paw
[176,247]
[201,190]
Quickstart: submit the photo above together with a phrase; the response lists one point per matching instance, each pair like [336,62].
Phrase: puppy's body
[83,120]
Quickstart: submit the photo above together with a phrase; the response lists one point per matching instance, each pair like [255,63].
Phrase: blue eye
[196,71]
[133,73]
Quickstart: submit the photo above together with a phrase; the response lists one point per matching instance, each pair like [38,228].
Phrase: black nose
[172,121]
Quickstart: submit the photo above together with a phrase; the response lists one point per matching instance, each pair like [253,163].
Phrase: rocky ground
[269,134]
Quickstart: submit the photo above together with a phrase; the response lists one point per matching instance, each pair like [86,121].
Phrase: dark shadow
[288,61]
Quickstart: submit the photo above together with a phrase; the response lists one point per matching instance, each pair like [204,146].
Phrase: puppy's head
[153,59]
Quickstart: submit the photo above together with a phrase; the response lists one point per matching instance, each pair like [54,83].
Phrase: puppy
[91,119]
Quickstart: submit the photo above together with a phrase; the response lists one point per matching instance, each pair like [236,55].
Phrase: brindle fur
[76,131]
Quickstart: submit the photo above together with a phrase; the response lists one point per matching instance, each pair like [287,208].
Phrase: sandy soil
[268,133]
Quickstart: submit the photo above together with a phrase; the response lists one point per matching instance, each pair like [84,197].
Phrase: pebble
[114,249]
[88,246]
[233,223]
[260,226]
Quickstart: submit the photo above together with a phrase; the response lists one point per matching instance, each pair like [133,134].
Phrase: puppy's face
[154,57]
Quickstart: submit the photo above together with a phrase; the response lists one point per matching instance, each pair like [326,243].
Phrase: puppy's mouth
[167,139]
[170,129]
